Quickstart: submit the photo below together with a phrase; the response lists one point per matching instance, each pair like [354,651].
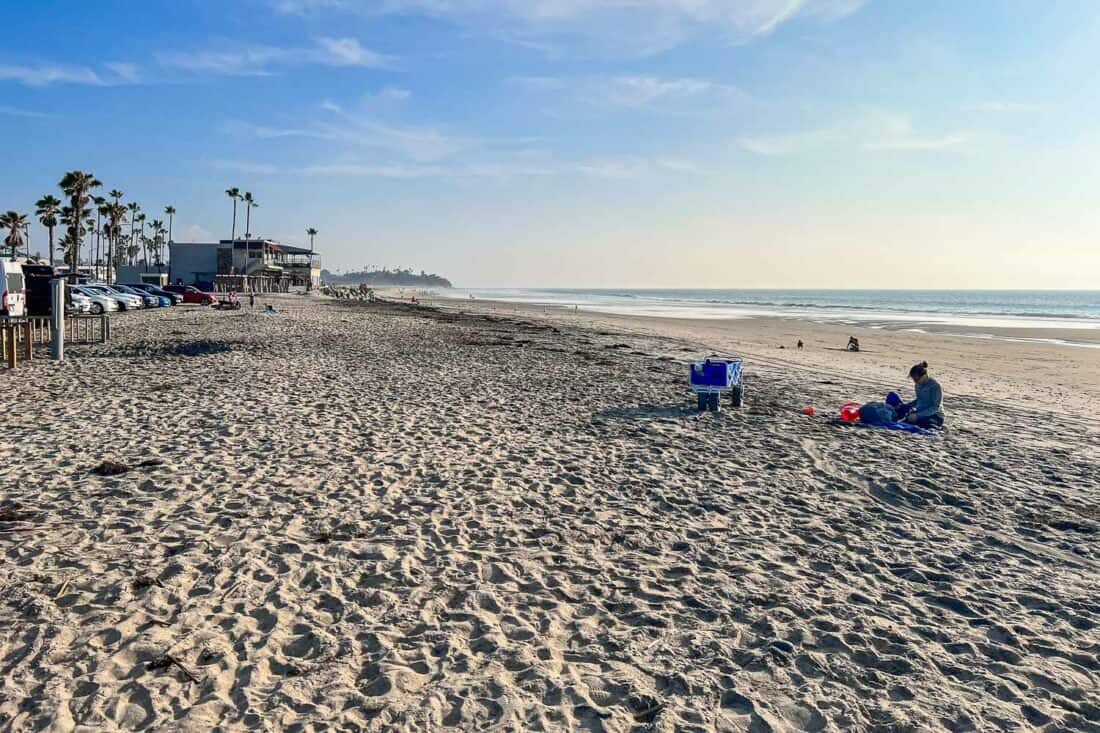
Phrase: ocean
[969,312]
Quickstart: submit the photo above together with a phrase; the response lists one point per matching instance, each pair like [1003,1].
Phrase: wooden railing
[19,336]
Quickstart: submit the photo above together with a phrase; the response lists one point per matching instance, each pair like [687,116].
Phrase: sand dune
[378,517]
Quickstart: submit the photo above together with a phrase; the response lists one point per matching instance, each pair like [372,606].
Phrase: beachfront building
[150,274]
[241,265]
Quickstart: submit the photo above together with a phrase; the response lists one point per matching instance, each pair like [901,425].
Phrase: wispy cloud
[871,130]
[996,105]
[124,71]
[502,167]
[266,132]
[237,59]
[29,113]
[632,91]
[941,142]
[786,143]
[397,170]
[632,27]
[240,166]
[39,75]
[346,52]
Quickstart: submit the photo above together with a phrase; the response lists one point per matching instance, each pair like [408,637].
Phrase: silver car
[100,303]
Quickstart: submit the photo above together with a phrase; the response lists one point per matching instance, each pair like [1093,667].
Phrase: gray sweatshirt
[929,399]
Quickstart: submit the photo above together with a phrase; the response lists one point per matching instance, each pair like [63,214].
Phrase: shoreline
[1038,374]
[1060,330]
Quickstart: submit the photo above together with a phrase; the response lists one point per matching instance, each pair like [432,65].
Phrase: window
[15,282]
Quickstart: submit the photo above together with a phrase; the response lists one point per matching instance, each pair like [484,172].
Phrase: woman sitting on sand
[927,410]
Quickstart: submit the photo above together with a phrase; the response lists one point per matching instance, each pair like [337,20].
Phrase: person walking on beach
[927,410]
[251,299]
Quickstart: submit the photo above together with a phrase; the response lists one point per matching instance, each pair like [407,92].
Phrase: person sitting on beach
[853,343]
[927,410]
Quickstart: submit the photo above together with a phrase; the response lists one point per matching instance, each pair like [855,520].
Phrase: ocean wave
[916,308]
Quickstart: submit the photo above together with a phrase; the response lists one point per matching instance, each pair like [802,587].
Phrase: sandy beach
[492,517]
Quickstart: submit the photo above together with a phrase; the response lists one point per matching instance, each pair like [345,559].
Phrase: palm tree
[116,215]
[134,209]
[90,227]
[104,211]
[312,233]
[76,185]
[99,201]
[158,226]
[46,211]
[65,246]
[170,211]
[141,238]
[69,245]
[235,194]
[15,223]
[249,204]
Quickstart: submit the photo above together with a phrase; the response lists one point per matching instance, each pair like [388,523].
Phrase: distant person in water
[927,410]
[853,343]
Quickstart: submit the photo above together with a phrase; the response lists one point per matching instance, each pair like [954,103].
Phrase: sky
[586,143]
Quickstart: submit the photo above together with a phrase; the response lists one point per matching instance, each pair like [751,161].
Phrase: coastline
[380,516]
[1021,367]
[912,311]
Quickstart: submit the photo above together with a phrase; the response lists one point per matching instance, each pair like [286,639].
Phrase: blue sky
[676,143]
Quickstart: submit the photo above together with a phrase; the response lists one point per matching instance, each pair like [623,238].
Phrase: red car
[191,294]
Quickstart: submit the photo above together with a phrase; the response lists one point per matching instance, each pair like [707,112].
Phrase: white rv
[13,288]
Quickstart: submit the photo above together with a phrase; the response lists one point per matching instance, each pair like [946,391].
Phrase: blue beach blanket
[885,415]
[890,425]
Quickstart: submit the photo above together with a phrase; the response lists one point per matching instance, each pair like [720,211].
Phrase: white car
[100,302]
[79,303]
[125,300]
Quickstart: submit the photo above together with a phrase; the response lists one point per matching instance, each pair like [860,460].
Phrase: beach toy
[807,410]
[849,412]
[711,377]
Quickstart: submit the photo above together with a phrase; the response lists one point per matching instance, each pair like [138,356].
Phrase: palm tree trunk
[248,222]
[76,236]
[130,247]
[233,234]
[50,229]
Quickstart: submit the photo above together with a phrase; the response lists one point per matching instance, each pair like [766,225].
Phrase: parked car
[148,299]
[13,288]
[79,303]
[125,300]
[191,294]
[100,303]
[176,298]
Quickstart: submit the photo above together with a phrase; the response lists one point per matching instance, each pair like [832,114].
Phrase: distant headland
[384,277]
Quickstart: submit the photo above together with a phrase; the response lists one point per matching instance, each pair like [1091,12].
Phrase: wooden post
[9,338]
[28,344]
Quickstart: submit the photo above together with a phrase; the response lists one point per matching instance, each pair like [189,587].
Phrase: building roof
[291,250]
[277,246]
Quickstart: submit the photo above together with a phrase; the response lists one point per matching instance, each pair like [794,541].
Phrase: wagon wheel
[736,394]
